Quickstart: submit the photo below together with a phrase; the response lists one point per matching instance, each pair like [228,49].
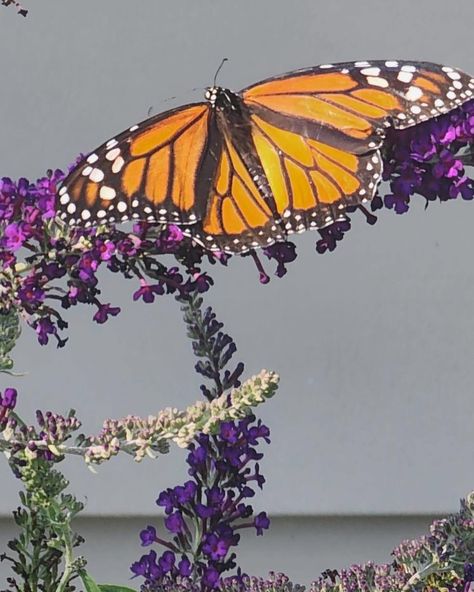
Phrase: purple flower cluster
[7,404]
[39,441]
[205,513]
[429,160]
[440,561]
[276,582]
[45,265]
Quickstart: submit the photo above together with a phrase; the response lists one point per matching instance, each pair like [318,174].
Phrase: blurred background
[372,425]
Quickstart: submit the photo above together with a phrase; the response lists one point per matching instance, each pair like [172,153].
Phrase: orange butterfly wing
[238,218]
[152,171]
[317,131]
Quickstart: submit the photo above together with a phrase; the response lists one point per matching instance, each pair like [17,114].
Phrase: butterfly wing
[317,131]
[158,170]
[313,181]
[356,97]
[238,218]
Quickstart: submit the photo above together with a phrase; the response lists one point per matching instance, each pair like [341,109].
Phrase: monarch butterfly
[244,170]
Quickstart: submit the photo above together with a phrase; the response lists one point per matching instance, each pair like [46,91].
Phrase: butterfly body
[234,123]
[244,170]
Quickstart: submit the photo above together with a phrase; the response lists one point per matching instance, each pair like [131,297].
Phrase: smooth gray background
[373,342]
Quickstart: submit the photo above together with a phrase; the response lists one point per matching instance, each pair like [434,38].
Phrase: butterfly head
[221,98]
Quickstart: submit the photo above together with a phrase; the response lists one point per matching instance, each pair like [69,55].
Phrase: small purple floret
[148,536]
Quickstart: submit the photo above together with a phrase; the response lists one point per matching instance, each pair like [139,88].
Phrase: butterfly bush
[204,515]
[46,268]
[441,561]
[133,435]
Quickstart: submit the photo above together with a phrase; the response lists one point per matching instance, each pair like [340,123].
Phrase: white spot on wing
[107,192]
[454,75]
[118,164]
[413,93]
[112,154]
[96,176]
[376,81]
[370,71]
[405,76]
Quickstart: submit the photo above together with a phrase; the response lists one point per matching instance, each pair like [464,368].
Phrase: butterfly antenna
[219,69]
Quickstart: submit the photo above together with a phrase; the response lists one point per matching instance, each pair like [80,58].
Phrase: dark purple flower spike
[204,515]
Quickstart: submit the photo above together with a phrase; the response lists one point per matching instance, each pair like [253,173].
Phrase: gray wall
[373,342]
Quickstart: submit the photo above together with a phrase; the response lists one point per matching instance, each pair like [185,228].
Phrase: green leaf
[89,584]
[9,333]
[114,588]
